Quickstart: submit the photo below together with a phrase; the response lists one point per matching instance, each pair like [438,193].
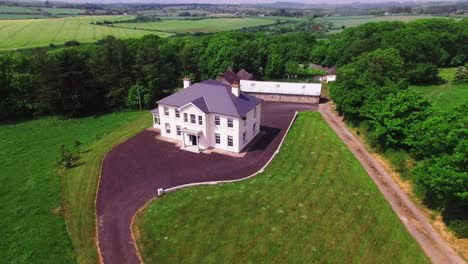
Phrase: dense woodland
[376,62]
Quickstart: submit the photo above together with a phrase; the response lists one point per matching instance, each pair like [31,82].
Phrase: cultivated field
[33,228]
[313,204]
[351,21]
[41,32]
[202,25]
[445,95]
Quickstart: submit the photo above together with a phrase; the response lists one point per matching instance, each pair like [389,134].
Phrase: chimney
[235,88]
[187,82]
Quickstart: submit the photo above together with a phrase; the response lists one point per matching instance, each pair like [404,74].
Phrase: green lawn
[41,32]
[446,95]
[32,227]
[313,204]
[202,25]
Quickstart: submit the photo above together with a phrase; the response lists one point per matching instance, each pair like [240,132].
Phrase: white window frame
[200,120]
[168,128]
[217,120]
[231,140]
[177,114]
[185,117]
[231,122]
[193,119]
[178,131]
[217,138]
[166,111]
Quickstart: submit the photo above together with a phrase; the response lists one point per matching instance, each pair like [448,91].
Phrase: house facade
[209,114]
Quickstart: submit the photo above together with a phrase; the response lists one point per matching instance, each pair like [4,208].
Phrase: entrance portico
[190,139]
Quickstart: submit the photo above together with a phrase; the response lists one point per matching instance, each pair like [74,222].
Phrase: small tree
[461,75]
[67,158]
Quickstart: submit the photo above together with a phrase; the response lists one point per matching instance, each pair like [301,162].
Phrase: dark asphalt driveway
[133,171]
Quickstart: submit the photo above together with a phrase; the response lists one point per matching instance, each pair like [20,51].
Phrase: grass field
[40,32]
[32,229]
[18,9]
[351,21]
[203,25]
[313,204]
[63,11]
[20,16]
[445,95]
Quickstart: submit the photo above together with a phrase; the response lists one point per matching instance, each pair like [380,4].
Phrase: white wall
[207,137]
[251,119]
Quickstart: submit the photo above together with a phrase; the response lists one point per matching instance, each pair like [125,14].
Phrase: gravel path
[414,220]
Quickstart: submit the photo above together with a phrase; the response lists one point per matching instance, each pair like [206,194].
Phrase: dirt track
[414,220]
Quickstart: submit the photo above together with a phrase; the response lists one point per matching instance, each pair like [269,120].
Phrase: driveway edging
[183,186]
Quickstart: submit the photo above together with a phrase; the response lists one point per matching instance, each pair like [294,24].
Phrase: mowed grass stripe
[80,186]
[23,33]
[313,203]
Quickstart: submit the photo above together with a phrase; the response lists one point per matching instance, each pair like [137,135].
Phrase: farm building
[277,91]
[283,91]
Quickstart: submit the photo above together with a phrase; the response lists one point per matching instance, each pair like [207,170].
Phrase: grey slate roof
[212,97]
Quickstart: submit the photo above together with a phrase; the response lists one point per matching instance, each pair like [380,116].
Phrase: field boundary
[412,218]
[183,186]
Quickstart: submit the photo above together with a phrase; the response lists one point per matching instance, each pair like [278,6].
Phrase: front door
[193,140]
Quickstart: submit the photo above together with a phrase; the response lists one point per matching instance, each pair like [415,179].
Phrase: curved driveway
[133,171]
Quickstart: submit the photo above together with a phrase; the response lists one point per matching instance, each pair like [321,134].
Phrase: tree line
[379,61]
[116,74]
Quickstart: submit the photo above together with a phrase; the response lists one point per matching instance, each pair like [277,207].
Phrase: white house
[209,114]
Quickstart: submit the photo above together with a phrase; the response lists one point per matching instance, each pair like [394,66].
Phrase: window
[192,119]
[255,112]
[178,130]
[245,121]
[185,118]
[177,113]
[217,121]
[230,123]
[217,138]
[200,120]
[156,119]
[166,111]
[254,127]
[168,128]
[230,141]
[244,137]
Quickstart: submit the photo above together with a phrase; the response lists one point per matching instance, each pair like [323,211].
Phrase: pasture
[448,94]
[33,227]
[351,21]
[19,34]
[201,25]
[313,204]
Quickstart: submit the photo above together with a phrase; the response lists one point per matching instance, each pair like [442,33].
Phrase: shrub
[71,43]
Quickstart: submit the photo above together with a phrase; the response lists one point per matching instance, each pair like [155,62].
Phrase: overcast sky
[244,1]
